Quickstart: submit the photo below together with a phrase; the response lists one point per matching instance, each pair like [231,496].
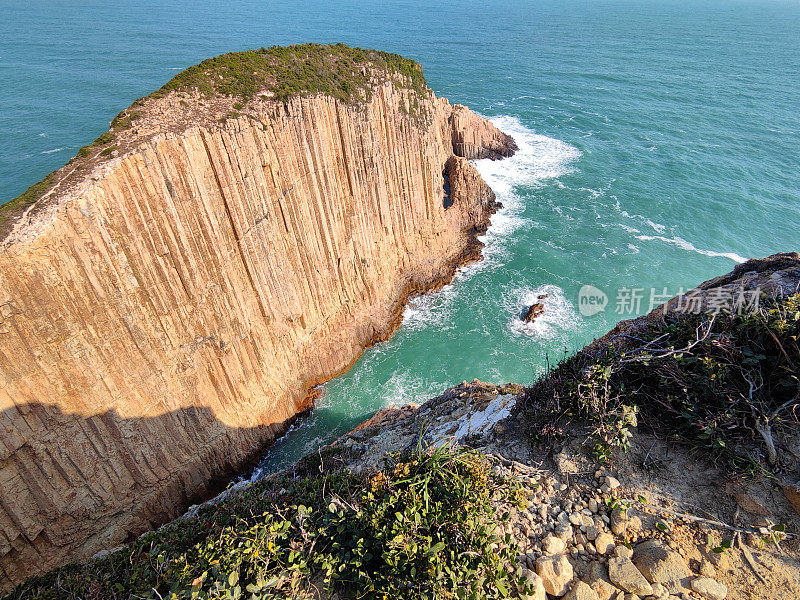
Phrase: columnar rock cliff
[170,301]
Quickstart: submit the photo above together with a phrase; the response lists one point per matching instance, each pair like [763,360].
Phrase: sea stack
[169,297]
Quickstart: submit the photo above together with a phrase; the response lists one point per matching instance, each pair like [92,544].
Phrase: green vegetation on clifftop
[722,384]
[336,70]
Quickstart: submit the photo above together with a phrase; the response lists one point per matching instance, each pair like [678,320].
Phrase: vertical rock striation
[166,309]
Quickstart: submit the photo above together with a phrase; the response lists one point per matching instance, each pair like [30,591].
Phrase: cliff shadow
[73,485]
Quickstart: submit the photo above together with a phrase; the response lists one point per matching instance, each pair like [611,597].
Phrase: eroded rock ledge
[170,299]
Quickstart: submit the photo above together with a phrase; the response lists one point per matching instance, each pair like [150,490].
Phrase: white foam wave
[430,309]
[402,388]
[51,151]
[539,158]
[559,313]
[689,247]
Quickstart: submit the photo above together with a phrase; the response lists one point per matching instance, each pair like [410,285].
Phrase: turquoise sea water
[660,144]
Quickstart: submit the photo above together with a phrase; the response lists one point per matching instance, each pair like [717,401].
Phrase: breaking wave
[689,247]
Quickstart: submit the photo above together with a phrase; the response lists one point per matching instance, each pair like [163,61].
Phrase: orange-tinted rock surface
[165,310]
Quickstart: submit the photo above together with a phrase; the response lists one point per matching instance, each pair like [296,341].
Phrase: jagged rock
[581,591]
[624,574]
[534,312]
[659,563]
[553,545]
[710,588]
[556,573]
[750,504]
[659,591]
[604,543]
[563,528]
[537,583]
[597,578]
[792,493]
[604,589]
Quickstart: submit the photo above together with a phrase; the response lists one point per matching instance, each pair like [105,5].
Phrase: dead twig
[748,557]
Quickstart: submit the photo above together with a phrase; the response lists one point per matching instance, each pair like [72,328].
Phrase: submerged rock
[535,311]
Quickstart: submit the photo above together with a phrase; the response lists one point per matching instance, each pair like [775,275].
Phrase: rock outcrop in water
[178,289]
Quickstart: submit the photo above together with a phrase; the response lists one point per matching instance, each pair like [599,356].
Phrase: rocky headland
[170,298]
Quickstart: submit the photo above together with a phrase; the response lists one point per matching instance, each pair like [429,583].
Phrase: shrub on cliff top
[723,384]
[337,70]
[425,528]
[13,208]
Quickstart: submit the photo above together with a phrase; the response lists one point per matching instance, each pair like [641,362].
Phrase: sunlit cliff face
[169,306]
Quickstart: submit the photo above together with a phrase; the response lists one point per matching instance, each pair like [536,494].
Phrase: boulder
[659,563]
[536,582]
[604,543]
[597,578]
[556,573]
[553,545]
[581,591]
[604,590]
[534,311]
[624,574]
[710,588]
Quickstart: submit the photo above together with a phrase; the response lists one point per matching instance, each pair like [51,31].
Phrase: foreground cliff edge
[534,493]
[171,296]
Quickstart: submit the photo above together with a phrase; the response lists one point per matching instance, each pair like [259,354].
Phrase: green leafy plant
[428,527]
[725,545]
